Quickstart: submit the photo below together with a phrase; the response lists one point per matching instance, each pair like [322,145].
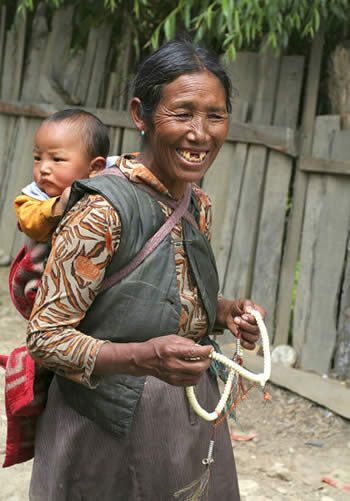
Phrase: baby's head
[70,144]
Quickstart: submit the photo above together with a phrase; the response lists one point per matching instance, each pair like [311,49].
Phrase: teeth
[192,156]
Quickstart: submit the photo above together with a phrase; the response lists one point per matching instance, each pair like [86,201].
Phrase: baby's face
[59,157]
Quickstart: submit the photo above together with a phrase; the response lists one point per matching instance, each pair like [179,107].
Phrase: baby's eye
[36,158]
[58,159]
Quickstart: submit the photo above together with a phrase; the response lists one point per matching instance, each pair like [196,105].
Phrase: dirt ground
[297,447]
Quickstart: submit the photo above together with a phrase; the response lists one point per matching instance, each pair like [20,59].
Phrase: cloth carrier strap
[180,210]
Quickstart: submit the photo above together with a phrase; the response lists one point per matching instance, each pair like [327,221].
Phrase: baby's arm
[38,218]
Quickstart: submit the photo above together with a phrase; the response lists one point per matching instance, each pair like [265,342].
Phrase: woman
[117,424]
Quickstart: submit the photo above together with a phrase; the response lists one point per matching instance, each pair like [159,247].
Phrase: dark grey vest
[144,304]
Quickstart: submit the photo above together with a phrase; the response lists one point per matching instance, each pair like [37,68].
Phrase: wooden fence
[280,188]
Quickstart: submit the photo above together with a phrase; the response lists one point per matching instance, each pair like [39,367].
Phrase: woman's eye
[215,116]
[183,115]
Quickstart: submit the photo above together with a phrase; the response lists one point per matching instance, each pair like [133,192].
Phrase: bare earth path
[296,442]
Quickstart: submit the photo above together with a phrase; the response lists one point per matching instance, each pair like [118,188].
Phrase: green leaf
[155,38]
[169,26]
[231,52]
[317,19]
[186,15]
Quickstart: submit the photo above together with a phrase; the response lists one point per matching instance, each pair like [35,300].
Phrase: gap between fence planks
[282,139]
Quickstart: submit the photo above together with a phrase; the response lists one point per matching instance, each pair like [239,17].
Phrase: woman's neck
[176,187]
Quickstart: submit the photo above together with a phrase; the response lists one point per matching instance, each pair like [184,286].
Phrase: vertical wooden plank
[278,178]
[323,250]
[11,78]
[123,66]
[2,37]
[36,53]
[6,123]
[99,66]
[11,84]
[71,75]
[8,69]
[56,56]
[18,157]
[118,97]
[131,141]
[290,256]
[230,163]
[340,151]
[342,354]
[222,183]
[110,90]
[243,75]
[59,42]
[86,70]
[238,277]
[115,135]
[20,30]
[20,176]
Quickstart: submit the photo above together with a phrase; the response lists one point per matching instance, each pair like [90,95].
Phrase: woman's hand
[173,359]
[235,316]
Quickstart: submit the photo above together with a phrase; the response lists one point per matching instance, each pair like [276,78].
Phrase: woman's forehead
[191,87]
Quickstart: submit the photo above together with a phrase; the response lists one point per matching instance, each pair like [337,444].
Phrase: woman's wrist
[116,358]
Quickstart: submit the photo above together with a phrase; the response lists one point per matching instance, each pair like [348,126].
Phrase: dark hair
[94,133]
[170,61]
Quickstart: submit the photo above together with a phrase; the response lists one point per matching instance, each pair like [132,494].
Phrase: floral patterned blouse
[82,247]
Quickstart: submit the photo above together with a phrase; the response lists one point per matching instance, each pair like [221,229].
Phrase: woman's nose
[198,130]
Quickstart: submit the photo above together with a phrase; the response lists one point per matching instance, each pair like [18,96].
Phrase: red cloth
[25,390]
[25,275]
[25,397]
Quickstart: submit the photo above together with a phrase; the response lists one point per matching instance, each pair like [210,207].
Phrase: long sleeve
[83,245]
[35,216]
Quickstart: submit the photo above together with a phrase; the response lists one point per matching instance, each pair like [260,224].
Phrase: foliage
[225,25]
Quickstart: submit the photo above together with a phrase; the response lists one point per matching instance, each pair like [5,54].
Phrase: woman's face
[189,127]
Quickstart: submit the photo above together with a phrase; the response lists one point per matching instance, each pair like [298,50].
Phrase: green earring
[142,132]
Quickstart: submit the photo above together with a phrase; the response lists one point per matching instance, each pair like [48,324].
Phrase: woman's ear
[96,165]
[136,114]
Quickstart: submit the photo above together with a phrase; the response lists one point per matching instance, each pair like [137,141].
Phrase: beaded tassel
[198,489]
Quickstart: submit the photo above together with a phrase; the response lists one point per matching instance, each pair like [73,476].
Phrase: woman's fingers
[177,360]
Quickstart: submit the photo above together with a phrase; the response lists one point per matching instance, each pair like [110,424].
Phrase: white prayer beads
[234,368]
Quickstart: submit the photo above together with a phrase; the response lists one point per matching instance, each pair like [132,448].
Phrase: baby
[69,145]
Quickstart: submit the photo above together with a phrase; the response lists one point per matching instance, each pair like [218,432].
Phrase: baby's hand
[61,202]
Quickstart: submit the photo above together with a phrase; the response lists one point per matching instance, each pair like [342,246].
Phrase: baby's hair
[94,133]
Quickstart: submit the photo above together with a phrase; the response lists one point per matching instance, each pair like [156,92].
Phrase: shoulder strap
[180,209]
[170,202]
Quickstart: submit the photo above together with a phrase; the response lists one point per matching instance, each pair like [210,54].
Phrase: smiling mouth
[195,157]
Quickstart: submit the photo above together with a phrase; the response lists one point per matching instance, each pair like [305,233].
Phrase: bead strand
[235,367]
